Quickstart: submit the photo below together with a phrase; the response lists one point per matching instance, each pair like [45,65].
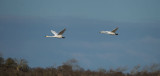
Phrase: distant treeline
[19,67]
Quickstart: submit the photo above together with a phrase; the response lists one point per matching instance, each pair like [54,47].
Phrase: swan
[57,35]
[110,32]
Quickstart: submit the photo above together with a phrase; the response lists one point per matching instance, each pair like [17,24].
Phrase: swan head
[102,32]
[45,36]
[63,37]
[116,34]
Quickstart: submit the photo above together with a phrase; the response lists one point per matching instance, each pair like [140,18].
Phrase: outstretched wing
[60,33]
[115,29]
[53,32]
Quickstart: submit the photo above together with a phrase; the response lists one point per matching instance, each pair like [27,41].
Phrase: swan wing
[115,29]
[53,32]
[60,33]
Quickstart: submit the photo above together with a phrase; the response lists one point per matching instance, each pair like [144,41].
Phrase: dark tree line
[15,67]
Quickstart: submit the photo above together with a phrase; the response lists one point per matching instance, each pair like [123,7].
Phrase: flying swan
[110,32]
[57,35]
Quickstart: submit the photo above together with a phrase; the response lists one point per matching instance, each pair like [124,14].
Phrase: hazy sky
[24,23]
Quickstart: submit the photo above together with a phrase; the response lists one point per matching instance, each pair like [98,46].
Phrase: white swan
[57,35]
[110,32]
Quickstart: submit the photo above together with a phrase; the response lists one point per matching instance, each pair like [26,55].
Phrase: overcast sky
[24,23]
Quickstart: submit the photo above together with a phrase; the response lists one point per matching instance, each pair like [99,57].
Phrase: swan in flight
[110,32]
[57,35]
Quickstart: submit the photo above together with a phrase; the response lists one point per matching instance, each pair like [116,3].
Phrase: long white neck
[49,36]
[104,31]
